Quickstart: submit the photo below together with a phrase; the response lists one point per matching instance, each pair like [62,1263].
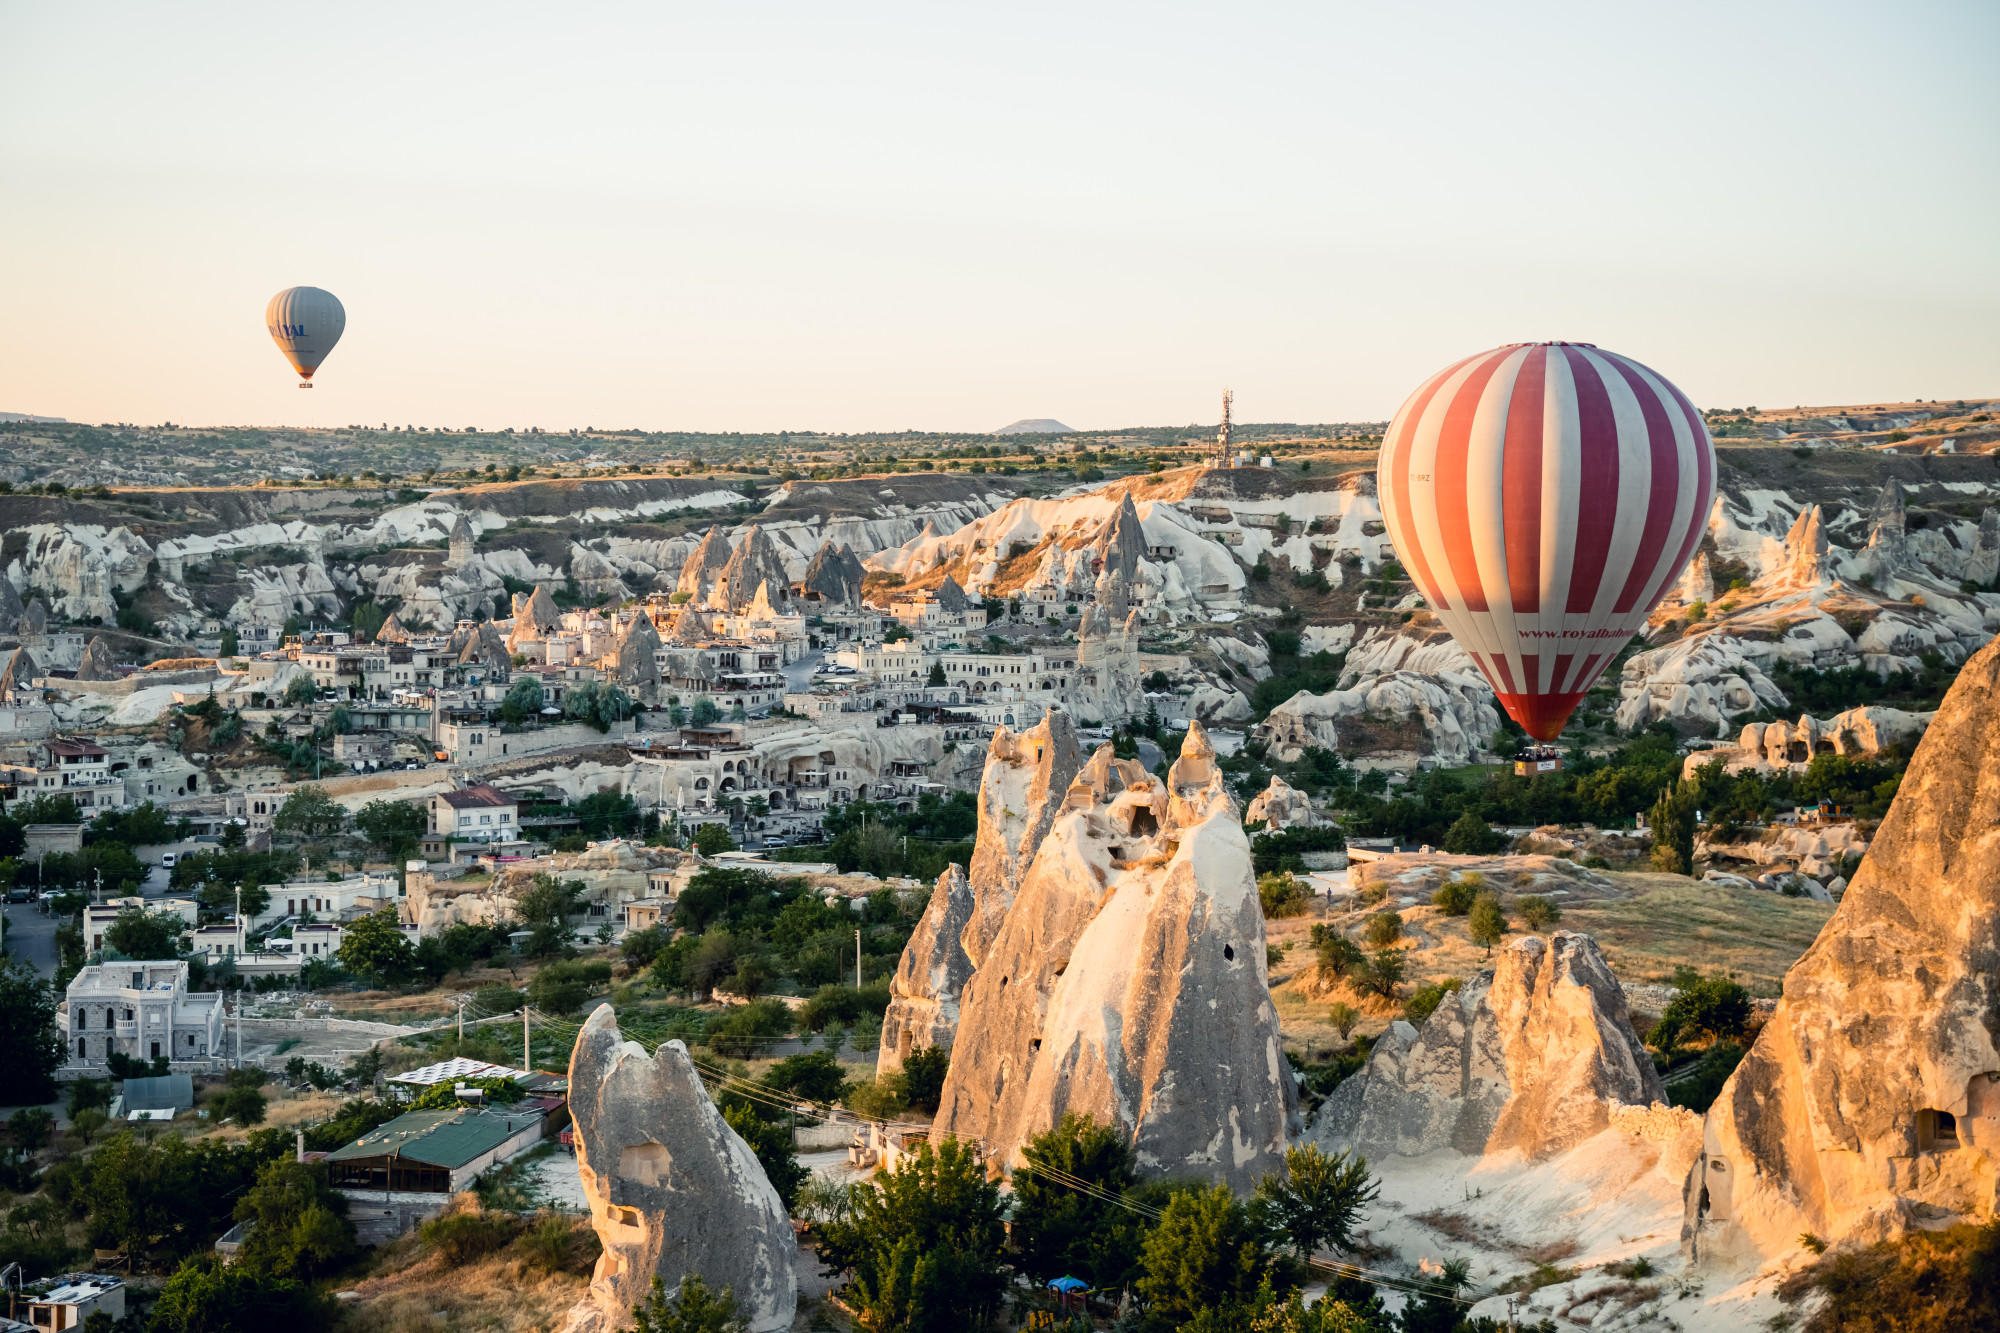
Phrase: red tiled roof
[468,798]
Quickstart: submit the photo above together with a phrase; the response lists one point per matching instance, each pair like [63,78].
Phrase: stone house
[143,1010]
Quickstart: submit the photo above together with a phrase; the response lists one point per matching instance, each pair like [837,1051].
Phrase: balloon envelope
[1544,496]
[305,322]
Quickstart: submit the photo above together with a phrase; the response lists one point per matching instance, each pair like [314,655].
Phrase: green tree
[545,910]
[1062,1230]
[691,1309]
[204,1296]
[300,691]
[1454,897]
[562,987]
[1315,1202]
[301,1227]
[1470,835]
[1715,1006]
[145,825]
[392,826]
[242,1098]
[30,1048]
[376,948]
[229,641]
[598,704]
[1343,1016]
[923,1076]
[523,701]
[309,813]
[1486,923]
[1673,829]
[771,1141]
[138,933]
[1538,912]
[1202,1259]
[704,712]
[1384,929]
[712,838]
[923,1243]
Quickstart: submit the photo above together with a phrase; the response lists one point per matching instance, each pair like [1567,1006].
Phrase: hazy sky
[855,217]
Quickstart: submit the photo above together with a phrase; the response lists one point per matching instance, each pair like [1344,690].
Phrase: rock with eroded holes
[673,1189]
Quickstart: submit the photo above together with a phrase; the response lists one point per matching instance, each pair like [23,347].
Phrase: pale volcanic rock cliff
[673,1189]
[923,997]
[1535,1055]
[1870,1102]
[1127,983]
[1021,792]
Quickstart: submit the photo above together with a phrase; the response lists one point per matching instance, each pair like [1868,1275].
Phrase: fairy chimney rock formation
[673,1189]
[1280,806]
[1698,583]
[1870,1101]
[1806,548]
[834,577]
[1127,983]
[1021,792]
[923,997]
[754,562]
[1888,531]
[98,663]
[1534,1055]
[704,567]
[460,544]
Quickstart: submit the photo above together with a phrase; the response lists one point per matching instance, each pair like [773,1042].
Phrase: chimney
[302,1143]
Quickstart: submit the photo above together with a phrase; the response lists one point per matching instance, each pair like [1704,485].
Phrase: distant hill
[1035,426]
[27,416]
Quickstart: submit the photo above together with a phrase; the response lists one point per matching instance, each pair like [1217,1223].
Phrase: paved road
[31,932]
[31,936]
[798,676]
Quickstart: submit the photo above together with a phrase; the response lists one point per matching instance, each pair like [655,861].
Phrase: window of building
[1937,1131]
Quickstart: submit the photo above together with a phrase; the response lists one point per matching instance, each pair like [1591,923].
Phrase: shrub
[242,1100]
[1343,1016]
[1698,1090]
[1384,929]
[1338,955]
[1424,1002]
[1470,835]
[923,1077]
[877,1099]
[1714,1006]
[1282,895]
[1454,897]
[749,1029]
[1537,912]
[466,1235]
[1382,974]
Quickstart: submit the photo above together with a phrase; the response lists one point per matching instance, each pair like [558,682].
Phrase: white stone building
[143,1010]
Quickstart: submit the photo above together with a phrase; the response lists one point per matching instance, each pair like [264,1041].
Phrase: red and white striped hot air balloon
[1543,497]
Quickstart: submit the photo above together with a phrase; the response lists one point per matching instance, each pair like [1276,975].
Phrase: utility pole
[857,960]
[527,1057]
[461,1018]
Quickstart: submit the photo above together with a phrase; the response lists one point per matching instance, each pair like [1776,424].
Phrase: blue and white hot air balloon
[305,322]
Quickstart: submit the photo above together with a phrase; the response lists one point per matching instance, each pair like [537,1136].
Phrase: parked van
[168,861]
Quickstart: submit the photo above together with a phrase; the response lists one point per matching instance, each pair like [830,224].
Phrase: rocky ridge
[1127,982]
[1869,1104]
[673,1190]
[1532,1056]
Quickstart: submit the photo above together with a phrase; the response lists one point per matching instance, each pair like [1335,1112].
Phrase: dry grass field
[1649,926]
